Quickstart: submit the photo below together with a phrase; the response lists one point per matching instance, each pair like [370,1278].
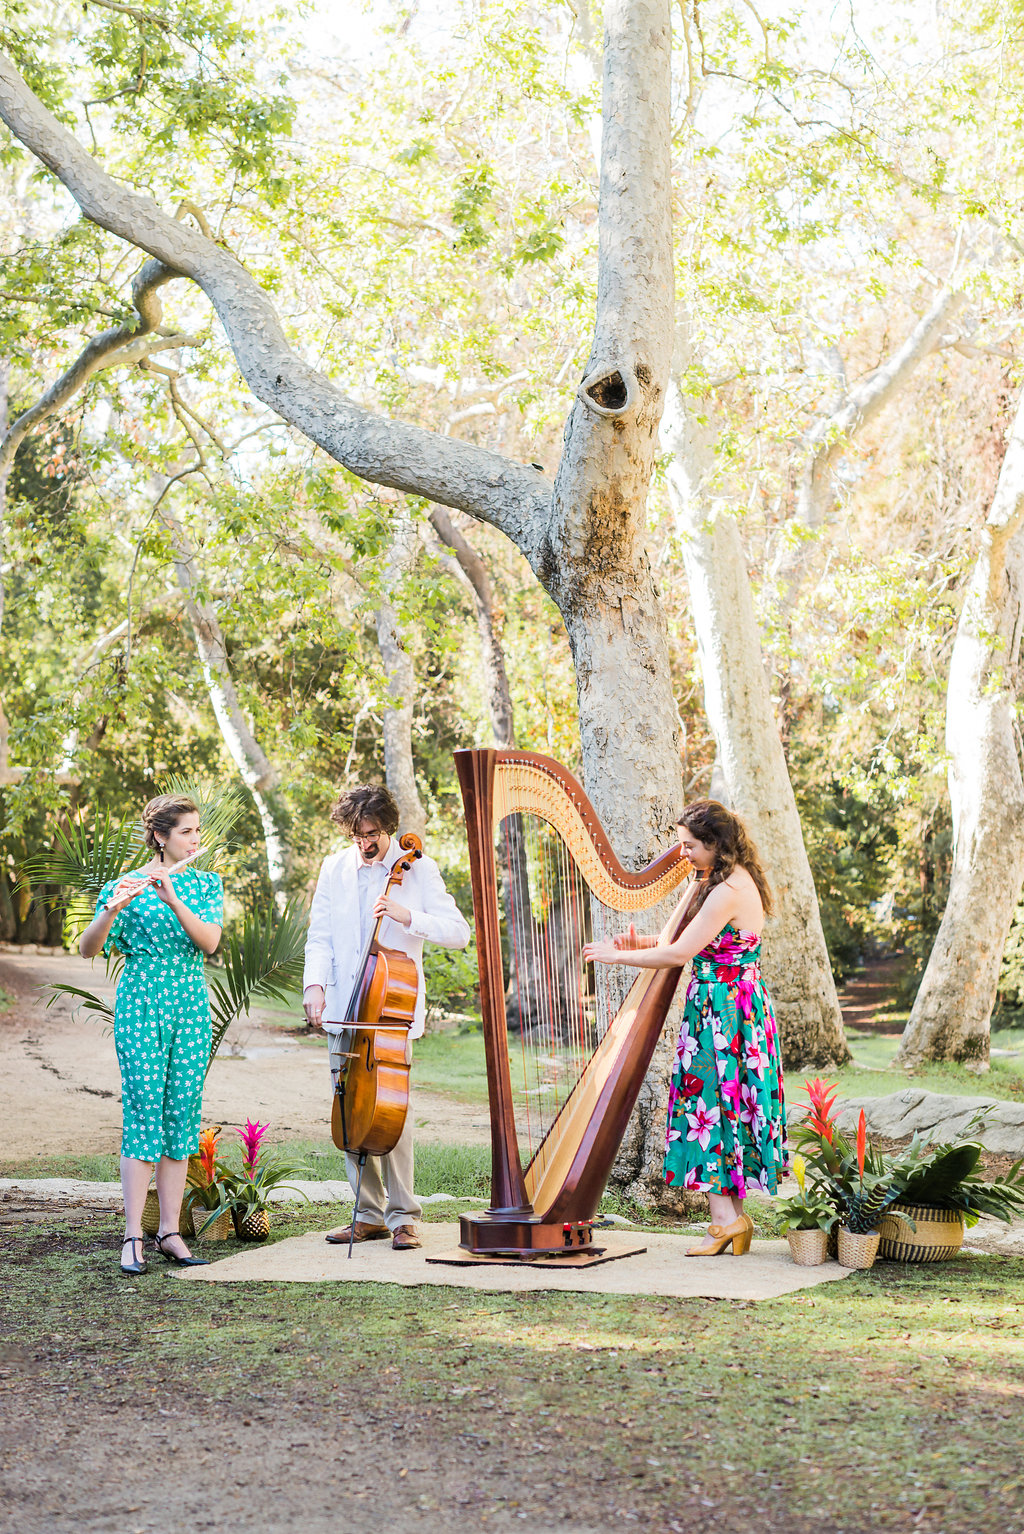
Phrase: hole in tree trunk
[610,393]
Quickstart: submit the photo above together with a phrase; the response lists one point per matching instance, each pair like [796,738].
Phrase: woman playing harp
[727,1117]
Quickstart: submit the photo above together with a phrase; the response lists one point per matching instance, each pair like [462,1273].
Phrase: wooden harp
[545,879]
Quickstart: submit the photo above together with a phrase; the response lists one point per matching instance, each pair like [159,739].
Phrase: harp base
[483,1235]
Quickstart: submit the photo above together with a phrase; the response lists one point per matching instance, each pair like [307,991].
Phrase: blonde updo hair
[163,813]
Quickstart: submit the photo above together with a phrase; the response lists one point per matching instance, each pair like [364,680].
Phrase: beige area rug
[766,1271]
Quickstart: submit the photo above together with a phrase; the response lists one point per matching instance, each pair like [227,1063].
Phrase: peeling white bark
[596,564]
[399,767]
[739,709]
[952,1011]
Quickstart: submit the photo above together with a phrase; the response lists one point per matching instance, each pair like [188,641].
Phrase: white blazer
[333,949]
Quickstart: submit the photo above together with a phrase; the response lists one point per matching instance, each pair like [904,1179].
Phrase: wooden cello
[371,1094]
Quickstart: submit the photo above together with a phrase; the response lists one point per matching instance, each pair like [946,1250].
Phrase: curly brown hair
[163,813]
[367,801]
[716,826]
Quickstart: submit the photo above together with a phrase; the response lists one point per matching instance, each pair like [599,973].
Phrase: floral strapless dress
[726,1108]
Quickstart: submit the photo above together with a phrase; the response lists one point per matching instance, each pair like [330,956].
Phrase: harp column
[476,779]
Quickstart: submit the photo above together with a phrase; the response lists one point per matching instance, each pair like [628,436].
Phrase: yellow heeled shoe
[737,1235]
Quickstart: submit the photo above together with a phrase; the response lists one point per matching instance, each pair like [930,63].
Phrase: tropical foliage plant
[861,1182]
[808,1209]
[250,1189]
[204,1180]
[947,1176]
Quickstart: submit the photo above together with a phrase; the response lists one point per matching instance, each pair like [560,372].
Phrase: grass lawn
[890,1401]
[457,1169]
[871,1076]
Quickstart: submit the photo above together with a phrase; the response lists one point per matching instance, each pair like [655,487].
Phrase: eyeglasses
[366,836]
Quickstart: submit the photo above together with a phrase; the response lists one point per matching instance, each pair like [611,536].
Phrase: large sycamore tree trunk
[583,536]
[739,709]
[952,1011]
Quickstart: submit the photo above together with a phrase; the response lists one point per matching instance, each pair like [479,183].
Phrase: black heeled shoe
[138,1264]
[180,1262]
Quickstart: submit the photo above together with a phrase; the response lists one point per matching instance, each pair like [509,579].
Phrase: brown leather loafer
[405,1239]
[364,1232]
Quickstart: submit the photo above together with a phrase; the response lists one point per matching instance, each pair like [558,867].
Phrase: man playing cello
[350,896]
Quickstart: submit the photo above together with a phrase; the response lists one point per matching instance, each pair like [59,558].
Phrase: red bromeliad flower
[820,1120]
[862,1139]
[208,1154]
[251,1136]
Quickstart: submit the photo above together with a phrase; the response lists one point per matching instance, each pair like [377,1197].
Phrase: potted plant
[249,1191]
[208,1193]
[941,1193]
[807,1218]
[860,1184]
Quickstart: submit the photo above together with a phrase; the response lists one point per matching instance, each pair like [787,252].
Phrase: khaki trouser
[386,1196]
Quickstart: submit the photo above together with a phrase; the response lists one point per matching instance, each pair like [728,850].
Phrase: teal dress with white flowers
[162,1021]
[727,1108]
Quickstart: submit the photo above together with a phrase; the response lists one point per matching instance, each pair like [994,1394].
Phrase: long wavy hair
[716,826]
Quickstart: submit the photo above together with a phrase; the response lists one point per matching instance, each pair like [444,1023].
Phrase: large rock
[939,1116]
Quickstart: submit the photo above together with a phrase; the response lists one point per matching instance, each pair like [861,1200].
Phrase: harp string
[555,1015]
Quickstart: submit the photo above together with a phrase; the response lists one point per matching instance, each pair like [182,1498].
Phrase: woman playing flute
[164,923]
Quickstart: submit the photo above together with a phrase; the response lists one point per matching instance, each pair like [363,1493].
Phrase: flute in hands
[126,889]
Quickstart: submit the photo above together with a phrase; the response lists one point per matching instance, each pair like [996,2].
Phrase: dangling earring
[161,852]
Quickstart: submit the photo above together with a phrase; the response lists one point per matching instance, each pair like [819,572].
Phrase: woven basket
[809,1247]
[151,1215]
[217,1230]
[254,1226]
[939,1234]
[857,1251]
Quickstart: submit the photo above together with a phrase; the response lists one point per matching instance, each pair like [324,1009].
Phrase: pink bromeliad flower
[251,1136]
[702,1122]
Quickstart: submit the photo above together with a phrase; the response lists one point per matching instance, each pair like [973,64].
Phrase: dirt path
[60,1090]
[868,996]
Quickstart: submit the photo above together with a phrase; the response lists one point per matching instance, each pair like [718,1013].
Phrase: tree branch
[513,496]
[120,346]
[866,400]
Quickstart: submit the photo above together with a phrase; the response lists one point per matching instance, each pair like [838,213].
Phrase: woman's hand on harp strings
[606,952]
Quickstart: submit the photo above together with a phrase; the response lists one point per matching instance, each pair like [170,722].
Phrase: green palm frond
[220,809]
[94,1006]
[264,959]
[84,859]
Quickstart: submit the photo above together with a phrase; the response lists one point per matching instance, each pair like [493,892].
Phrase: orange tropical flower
[862,1140]
[208,1154]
